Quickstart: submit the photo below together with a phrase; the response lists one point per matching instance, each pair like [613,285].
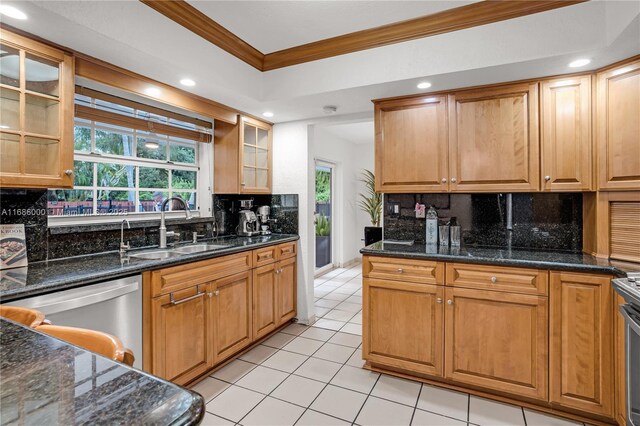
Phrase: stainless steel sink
[195,248]
[156,254]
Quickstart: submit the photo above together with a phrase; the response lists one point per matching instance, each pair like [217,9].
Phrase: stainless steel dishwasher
[114,307]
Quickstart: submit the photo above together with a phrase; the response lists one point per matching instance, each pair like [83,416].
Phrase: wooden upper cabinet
[242,157]
[411,145]
[581,364]
[566,141]
[497,340]
[618,127]
[493,139]
[36,114]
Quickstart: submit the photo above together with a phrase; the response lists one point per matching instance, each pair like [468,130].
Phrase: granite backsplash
[284,211]
[540,220]
[29,207]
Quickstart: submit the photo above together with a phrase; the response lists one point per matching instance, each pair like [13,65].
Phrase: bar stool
[94,341]
[28,317]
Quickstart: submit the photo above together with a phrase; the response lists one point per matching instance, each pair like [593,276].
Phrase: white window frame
[203,168]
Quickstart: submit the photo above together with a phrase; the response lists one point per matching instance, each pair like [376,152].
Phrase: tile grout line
[417,402]
[366,399]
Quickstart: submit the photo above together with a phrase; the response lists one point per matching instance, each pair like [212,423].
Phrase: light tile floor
[314,376]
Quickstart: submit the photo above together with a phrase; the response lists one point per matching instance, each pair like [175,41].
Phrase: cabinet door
[403,325]
[618,127]
[255,157]
[36,106]
[566,134]
[181,334]
[493,139]
[286,295]
[411,145]
[231,319]
[497,341]
[265,317]
[581,353]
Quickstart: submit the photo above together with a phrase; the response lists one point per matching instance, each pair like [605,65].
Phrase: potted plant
[323,240]
[371,203]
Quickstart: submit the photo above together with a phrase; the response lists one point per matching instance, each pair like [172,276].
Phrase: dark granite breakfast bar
[48,381]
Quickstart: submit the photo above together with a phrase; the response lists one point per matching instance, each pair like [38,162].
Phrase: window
[128,158]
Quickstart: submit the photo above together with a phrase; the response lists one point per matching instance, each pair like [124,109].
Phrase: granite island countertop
[523,258]
[60,274]
[48,381]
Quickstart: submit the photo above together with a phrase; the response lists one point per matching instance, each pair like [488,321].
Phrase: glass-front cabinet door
[36,114]
[255,149]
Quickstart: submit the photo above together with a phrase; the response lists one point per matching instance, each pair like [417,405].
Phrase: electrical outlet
[420,211]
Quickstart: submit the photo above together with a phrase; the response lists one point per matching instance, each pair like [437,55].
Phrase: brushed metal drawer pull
[177,302]
[439,300]
[400,270]
[494,280]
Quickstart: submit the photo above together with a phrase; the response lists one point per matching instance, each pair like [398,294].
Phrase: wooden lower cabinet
[182,325]
[286,290]
[497,340]
[403,325]
[581,345]
[265,318]
[231,307]
[199,315]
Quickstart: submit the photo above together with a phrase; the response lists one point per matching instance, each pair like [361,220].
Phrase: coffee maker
[263,218]
[248,226]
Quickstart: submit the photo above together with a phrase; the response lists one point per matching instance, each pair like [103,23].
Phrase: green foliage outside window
[323,186]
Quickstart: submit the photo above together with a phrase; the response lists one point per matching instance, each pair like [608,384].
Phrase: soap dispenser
[432,226]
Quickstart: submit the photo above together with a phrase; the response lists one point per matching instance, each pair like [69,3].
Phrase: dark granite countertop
[54,275]
[48,381]
[555,260]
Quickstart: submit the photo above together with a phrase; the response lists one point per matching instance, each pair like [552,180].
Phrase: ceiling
[134,36]
[270,26]
[359,133]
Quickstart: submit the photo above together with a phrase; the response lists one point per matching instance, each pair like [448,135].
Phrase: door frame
[334,213]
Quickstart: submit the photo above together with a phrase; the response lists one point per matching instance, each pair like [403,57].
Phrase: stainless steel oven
[632,341]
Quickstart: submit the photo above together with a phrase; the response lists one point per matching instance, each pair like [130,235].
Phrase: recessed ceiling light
[268,114]
[151,145]
[152,91]
[187,82]
[424,85]
[2,126]
[579,63]
[12,12]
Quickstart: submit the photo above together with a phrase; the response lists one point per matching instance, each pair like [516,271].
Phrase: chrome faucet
[163,229]
[124,247]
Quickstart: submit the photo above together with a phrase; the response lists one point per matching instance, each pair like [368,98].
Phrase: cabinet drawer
[168,280]
[410,270]
[287,250]
[513,280]
[265,256]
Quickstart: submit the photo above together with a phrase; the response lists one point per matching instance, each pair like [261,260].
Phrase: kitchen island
[48,381]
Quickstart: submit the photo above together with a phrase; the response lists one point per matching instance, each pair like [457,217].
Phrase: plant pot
[372,234]
[323,251]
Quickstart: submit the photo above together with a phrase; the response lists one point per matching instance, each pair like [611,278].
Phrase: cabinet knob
[217,292]
[209,295]
[68,172]
[454,180]
[444,180]
[494,280]
[547,178]
[439,300]
[400,270]
[449,302]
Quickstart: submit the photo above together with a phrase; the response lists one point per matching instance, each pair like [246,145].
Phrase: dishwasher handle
[107,291]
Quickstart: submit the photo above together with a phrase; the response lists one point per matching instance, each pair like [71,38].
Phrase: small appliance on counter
[629,289]
[248,226]
[263,217]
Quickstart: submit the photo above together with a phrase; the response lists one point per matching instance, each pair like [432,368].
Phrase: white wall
[364,159]
[292,175]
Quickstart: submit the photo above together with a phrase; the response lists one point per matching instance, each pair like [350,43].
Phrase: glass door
[324,216]
[256,157]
